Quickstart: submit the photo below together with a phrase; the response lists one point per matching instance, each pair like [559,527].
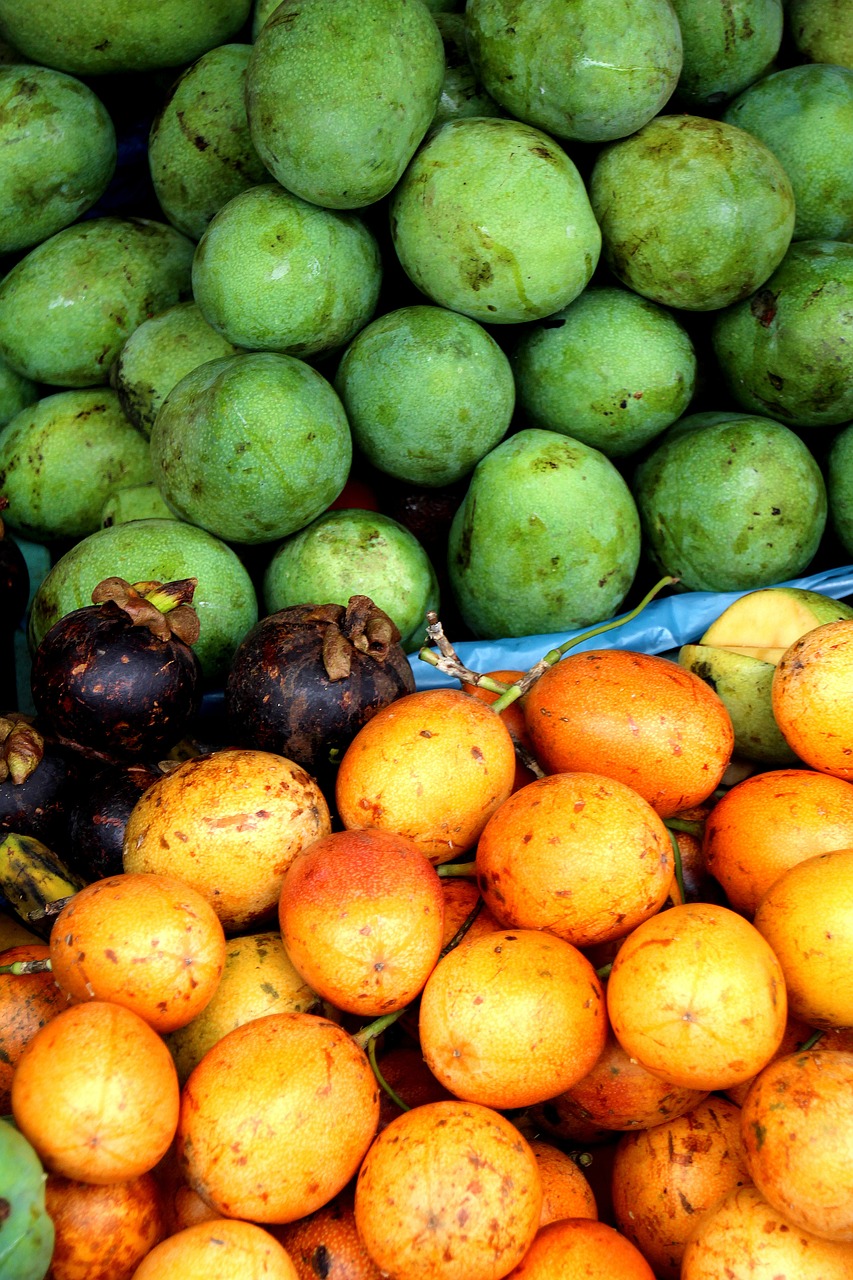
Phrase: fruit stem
[395,1097]
[553,656]
[686,826]
[20,967]
[604,971]
[375,1028]
[679,869]
[457,869]
[811,1042]
[463,928]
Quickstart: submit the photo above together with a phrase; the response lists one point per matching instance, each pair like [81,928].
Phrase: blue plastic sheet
[663,625]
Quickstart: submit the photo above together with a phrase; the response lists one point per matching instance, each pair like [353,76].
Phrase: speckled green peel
[161,551]
[57,153]
[492,219]
[787,351]
[612,369]
[462,94]
[547,538]
[340,93]
[822,30]
[275,273]
[428,392]
[91,37]
[199,150]
[346,553]
[839,478]
[694,213]
[61,457]
[26,1229]
[731,502]
[67,308]
[592,70]
[158,354]
[16,392]
[805,116]
[251,447]
[134,502]
[726,47]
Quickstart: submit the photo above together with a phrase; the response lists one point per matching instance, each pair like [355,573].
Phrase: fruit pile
[312,316]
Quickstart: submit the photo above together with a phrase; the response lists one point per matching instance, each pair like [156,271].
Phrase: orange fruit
[449,1191]
[362,916]
[229,824]
[404,1070]
[619,1093]
[668,1176]
[578,854]
[796,1035]
[148,942]
[745,1238]
[96,1093]
[565,1191]
[513,718]
[807,918]
[797,1126]
[327,1244]
[102,1232]
[811,692]
[581,1249]
[512,1018]
[433,766]
[770,822]
[697,996]
[220,1250]
[258,978]
[640,719]
[276,1117]
[460,897]
[27,1002]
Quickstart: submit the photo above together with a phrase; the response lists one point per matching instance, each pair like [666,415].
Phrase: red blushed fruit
[362,917]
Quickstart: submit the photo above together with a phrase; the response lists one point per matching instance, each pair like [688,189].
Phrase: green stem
[395,1097]
[811,1042]
[604,971]
[457,869]
[20,967]
[685,825]
[375,1028]
[679,869]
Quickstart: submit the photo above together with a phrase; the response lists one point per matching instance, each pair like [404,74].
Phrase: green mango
[134,502]
[822,30]
[160,551]
[340,93]
[694,213]
[16,392]
[591,71]
[275,273]
[67,308]
[786,351]
[726,47]
[462,94]
[744,685]
[251,447]
[730,502]
[26,1229]
[492,219]
[839,480]
[61,457]
[91,37]
[428,393]
[547,538]
[158,354]
[612,369]
[347,553]
[199,148]
[57,153]
[805,116]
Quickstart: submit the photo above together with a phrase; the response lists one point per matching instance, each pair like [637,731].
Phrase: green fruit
[134,502]
[546,539]
[260,13]
[251,447]
[57,153]
[492,219]
[158,354]
[805,116]
[60,459]
[592,70]
[840,487]
[822,30]
[786,351]
[461,91]
[274,273]
[694,213]
[16,392]
[160,551]
[67,308]
[26,1229]
[199,149]
[346,553]
[90,37]
[340,93]
[726,47]
[744,686]
[428,392]
[730,502]
[612,369]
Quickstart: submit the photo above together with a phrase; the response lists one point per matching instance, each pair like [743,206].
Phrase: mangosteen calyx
[164,608]
[21,748]
[360,625]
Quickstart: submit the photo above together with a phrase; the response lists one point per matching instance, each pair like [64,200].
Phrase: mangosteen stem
[20,967]
[395,1097]
[679,870]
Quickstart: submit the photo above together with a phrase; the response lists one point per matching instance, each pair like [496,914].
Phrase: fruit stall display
[426,507]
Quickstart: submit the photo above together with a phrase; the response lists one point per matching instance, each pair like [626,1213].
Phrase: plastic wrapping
[664,624]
